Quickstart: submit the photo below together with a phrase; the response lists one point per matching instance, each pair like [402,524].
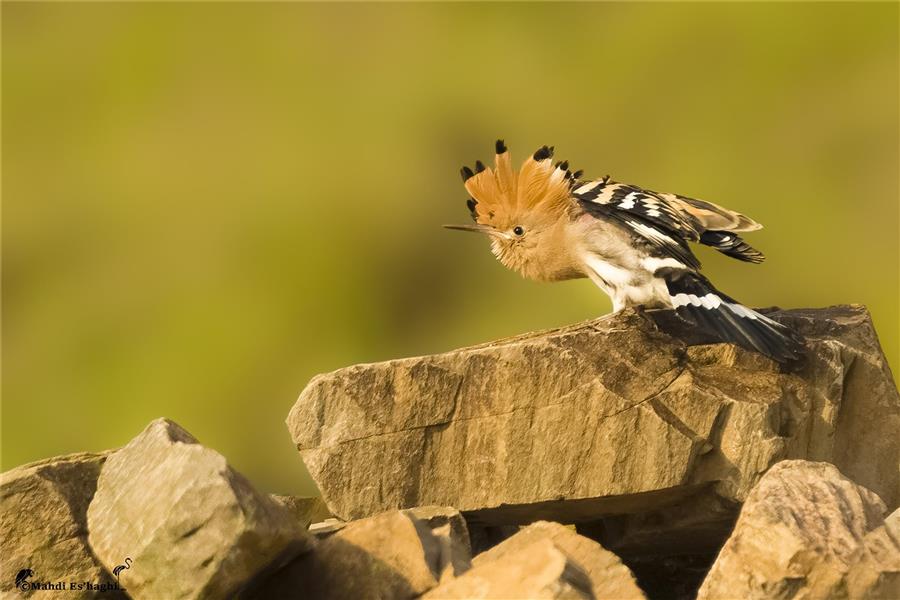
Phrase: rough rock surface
[609,577]
[444,521]
[193,526]
[43,517]
[799,533]
[439,516]
[449,528]
[391,555]
[305,510]
[536,571]
[608,417]
[326,528]
[875,566]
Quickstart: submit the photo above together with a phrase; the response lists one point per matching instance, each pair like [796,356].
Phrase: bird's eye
[518,230]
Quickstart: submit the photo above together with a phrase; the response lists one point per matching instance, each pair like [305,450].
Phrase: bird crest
[500,194]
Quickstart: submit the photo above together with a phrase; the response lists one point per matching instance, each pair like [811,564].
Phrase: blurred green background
[206,204]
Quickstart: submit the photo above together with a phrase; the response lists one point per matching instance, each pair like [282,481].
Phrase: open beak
[477,228]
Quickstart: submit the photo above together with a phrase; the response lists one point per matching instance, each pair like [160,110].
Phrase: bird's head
[523,213]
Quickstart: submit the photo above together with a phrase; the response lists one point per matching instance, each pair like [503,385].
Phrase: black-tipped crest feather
[543,153]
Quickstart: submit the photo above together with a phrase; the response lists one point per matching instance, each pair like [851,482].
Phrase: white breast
[609,277]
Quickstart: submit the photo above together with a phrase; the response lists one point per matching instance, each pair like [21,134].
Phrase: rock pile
[602,460]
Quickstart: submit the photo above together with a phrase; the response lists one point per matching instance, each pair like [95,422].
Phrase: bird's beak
[477,227]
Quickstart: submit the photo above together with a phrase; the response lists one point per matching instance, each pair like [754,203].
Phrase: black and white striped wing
[648,215]
[646,205]
[677,216]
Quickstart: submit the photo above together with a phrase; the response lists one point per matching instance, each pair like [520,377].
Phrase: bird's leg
[645,312]
[654,314]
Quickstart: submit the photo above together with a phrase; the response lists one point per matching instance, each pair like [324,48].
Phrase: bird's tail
[698,302]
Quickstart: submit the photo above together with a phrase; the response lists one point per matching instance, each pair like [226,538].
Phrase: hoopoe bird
[548,224]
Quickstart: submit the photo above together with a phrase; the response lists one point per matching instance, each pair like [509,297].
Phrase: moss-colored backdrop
[207,204]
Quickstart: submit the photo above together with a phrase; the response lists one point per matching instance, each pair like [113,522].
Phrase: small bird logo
[547,223]
[22,576]
[119,568]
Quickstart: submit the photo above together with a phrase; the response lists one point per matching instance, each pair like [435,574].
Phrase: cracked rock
[306,510]
[806,531]
[192,526]
[605,419]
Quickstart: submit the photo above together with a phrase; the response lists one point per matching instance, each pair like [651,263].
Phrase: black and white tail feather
[696,301]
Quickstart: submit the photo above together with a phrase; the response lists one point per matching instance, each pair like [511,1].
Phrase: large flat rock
[607,417]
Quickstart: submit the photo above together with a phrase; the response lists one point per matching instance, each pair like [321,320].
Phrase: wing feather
[644,204]
[648,217]
[711,216]
[687,219]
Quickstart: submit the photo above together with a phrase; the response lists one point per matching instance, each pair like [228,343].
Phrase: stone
[323,529]
[449,527]
[875,565]
[305,510]
[391,555]
[193,526]
[607,419]
[43,516]
[444,522]
[609,577]
[438,516]
[537,571]
[797,536]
